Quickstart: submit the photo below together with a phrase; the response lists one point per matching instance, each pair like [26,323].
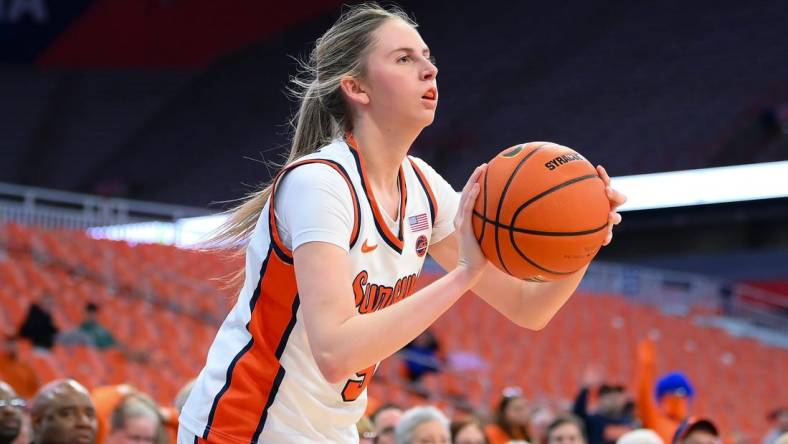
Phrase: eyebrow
[406,49]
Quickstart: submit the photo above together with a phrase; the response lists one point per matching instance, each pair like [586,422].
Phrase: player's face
[431,432]
[401,79]
[567,433]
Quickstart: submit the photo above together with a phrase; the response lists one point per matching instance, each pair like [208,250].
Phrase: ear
[355,90]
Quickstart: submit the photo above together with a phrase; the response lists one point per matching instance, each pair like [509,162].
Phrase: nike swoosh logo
[366,248]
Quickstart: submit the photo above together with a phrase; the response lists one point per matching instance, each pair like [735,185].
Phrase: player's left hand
[616,199]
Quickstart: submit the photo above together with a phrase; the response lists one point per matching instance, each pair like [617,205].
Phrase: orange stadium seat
[158,299]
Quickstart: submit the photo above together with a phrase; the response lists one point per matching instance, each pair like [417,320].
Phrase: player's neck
[383,150]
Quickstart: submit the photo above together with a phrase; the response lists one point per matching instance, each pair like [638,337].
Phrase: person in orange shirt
[16,373]
[664,404]
[135,420]
[511,419]
[126,414]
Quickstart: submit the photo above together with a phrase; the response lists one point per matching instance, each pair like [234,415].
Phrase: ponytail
[322,115]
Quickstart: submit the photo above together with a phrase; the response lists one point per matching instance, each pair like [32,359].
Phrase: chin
[428,120]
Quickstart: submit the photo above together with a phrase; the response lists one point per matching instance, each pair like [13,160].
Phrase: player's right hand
[470,254]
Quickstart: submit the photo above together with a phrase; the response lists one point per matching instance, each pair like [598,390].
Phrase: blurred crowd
[65,412]
[657,411]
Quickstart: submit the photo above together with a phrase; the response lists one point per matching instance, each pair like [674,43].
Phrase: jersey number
[355,387]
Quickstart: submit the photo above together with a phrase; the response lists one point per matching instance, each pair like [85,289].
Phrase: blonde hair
[323,113]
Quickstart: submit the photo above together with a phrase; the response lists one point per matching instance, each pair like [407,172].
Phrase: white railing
[679,292]
[63,209]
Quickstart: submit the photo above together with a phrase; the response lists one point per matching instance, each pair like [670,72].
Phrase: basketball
[541,212]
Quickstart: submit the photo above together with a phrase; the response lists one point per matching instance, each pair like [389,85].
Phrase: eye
[433,60]
[404,58]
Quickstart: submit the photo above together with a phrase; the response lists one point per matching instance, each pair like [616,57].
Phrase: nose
[86,420]
[429,72]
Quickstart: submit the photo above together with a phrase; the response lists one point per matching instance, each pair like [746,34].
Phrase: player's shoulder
[329,161]
[336,151]
[324,168]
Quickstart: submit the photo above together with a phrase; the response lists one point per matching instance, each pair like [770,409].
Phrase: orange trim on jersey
[241,407]
[395,241]
[272,218]
[426,184]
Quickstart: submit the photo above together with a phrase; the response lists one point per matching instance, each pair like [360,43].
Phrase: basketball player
[335,243]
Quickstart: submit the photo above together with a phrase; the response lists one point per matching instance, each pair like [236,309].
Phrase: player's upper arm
[315,218]
[323,276]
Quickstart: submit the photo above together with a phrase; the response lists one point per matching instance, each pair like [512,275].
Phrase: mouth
[86,437]
[431,94]
[11,424]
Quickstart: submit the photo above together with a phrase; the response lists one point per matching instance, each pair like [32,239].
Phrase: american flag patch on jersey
[418,222]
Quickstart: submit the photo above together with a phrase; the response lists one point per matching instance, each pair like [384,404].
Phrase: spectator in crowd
[694,430]
[782,439]
[63,413]
[99,335]
[169,422]
[38,326]
[468,431]
[539,420]
[661,406]
[779,418]
[366,431]
[135,420]
[123,410]
[566,429]
[26,432]
[640,436]
[18,374]
[106,399]
[422,425]
[11,414]
[511,418]
[422,356]
[384,421]
[91,332]
[183,393]
[609,421]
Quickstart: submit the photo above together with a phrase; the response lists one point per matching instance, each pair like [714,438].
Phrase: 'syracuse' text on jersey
[261,383]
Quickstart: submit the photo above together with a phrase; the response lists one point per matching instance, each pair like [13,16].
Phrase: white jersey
[261,383]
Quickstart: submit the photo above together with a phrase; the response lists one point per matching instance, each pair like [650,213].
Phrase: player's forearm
[539,302]
[528,304]
[351,347]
